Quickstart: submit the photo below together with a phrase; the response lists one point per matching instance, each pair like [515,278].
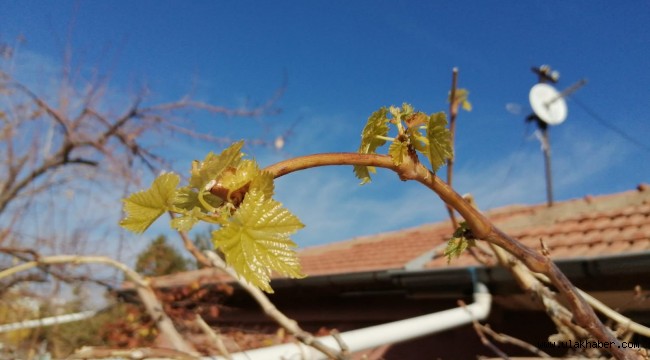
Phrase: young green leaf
[439,138]
[256,240]
[263,182]
[213,165]
[407,109]
[144,207]
[416,119]
[467,106]
[363,173]
[460,97]
[186,198]
[396,112]
[377,125]
[398,150]
[243,174]
[459,242]
[186,221]
[417,140]
[456,246]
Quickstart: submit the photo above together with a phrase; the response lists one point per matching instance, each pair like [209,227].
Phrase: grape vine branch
[480,226]
[235,194]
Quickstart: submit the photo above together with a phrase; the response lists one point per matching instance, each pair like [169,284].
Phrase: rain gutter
[384,334]
[588,273]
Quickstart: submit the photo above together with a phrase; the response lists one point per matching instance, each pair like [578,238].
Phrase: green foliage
[398,150]
[234,194]
[434,143]
[187,220]
[440,148]
[187,199]
[160,258]
[460,97]
[256,240]
[376,127]
[460,241]
[213,165]
[144,207]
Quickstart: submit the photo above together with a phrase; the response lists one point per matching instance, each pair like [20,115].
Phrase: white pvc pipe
[60,319]
[375,336]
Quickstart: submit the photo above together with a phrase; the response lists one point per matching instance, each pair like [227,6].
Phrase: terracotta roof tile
[591,226]
[384,251]
[596,249]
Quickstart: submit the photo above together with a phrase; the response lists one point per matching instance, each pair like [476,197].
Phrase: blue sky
[343,60]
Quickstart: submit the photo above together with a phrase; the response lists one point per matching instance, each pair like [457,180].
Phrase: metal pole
[545,75]
[568,91]
[546,147]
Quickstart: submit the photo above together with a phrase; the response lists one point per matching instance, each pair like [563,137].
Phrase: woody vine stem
[254,228]
[481,228]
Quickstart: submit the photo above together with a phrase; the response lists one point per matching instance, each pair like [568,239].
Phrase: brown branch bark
[22,254]
[43,105]
[560,315]
[57,160]
[484,340]
[214,337]
[453,112]
[614,315]
[481,228]
[84,131]
[507,339]
[189,246]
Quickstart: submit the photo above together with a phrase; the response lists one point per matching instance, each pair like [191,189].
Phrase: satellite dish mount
[549,108]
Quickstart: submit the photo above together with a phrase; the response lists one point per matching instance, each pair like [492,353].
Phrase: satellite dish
[548,104]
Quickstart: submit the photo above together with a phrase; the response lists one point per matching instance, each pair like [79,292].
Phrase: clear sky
[345,59]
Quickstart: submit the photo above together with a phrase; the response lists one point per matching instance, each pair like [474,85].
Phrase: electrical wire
[609,125]
[512,161]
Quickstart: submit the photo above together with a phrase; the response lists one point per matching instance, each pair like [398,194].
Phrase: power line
[609,125]
[512,161]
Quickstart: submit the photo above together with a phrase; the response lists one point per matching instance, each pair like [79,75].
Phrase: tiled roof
[587,227]
[591,226]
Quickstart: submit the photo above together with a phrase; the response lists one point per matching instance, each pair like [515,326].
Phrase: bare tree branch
[147,295]
[214,337]
[507,339]
[88,353]
[453,112]
[270,310]
[60,275]
[59,118]
[479,331]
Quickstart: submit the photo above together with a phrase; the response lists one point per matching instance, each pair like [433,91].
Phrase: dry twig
[507,339]
[214,337]
[479,331]
[148,297]
[270,310]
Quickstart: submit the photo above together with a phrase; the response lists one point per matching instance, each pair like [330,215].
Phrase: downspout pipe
[375,336]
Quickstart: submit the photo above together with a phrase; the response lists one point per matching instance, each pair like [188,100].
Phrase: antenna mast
[545,75]
[549,108]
